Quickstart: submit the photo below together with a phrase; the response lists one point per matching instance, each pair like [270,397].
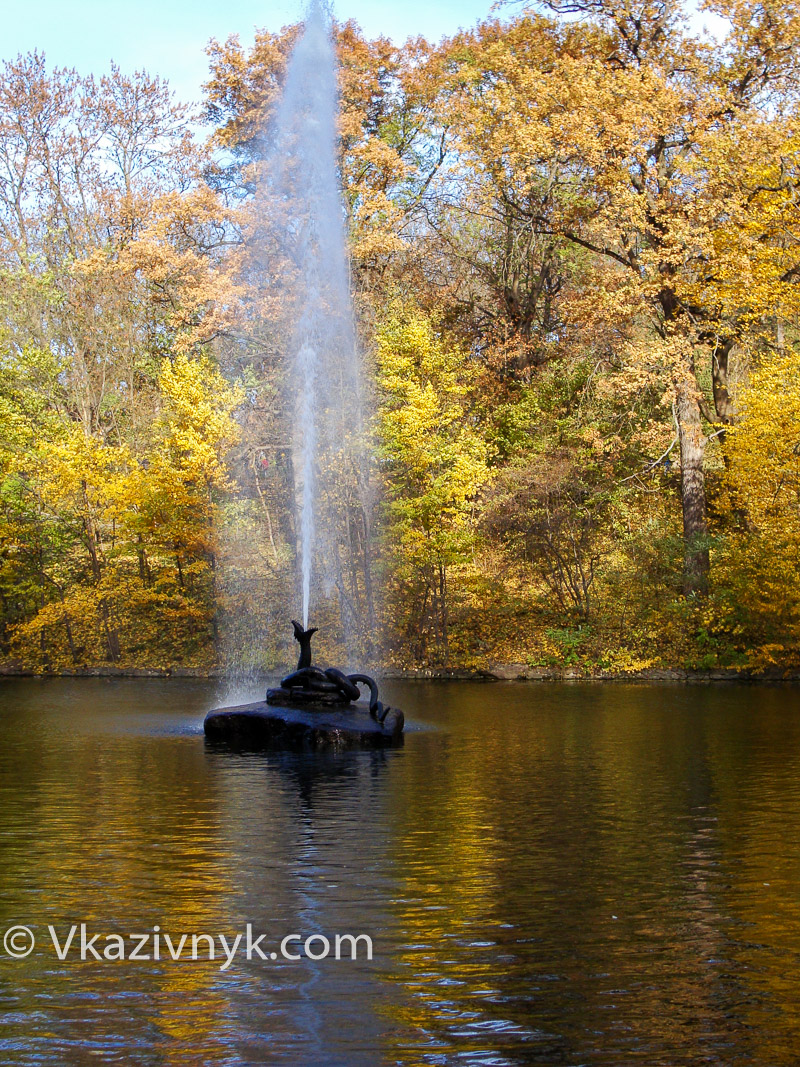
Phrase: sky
[168,37]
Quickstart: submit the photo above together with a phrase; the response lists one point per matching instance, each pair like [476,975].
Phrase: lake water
[550,874]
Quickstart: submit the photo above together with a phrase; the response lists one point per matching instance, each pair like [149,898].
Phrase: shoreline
[509,672]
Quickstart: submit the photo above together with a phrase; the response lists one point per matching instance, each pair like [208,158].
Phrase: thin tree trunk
[263,500]
[144,567]
[444,621]
[367,554]
[719,381]
[68,629]
[693,494]
[111,635]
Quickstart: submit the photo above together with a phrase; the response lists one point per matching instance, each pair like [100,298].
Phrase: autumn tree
[605,132]
[434,463]
[108,243]
[759,600]
[390,141]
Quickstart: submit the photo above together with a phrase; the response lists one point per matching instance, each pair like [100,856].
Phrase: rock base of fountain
[267,726]
[303,698]
[311,709]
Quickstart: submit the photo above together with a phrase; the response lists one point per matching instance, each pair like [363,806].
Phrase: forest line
[575,257]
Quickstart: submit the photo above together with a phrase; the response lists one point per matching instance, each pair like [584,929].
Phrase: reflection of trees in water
[486,861]
[756,770]
[118,831]
[126,830]
[564,885]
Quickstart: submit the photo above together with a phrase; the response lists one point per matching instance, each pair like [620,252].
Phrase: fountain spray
[303,177]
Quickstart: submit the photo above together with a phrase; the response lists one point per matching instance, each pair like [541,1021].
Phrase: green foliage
[569,644]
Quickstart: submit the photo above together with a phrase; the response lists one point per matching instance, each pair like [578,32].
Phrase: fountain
[313,706]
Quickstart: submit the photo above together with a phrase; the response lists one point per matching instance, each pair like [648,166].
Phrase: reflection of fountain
[313,707]
[295,831]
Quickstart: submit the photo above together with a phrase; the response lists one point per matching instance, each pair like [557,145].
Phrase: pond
[555,874]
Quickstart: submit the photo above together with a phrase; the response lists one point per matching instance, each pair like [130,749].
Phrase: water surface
[573,874]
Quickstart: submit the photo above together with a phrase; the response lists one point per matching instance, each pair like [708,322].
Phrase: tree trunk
[112,637]
[144,567]
[693,493]
[443,614]
[723,403]
[367,554]
[70,639]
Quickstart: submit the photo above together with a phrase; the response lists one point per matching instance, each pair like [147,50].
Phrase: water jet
[314,706]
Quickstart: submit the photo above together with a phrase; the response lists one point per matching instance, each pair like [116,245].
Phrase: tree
[108,244]
[435,464]
[761,549]
[604,133]
[390,146]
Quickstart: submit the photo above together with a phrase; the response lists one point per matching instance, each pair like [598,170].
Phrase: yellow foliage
[198,419]
[759,564]
[435,463]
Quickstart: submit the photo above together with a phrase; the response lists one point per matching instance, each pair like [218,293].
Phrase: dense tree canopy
[575,242]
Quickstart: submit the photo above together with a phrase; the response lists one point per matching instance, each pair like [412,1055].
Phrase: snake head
[300,633]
